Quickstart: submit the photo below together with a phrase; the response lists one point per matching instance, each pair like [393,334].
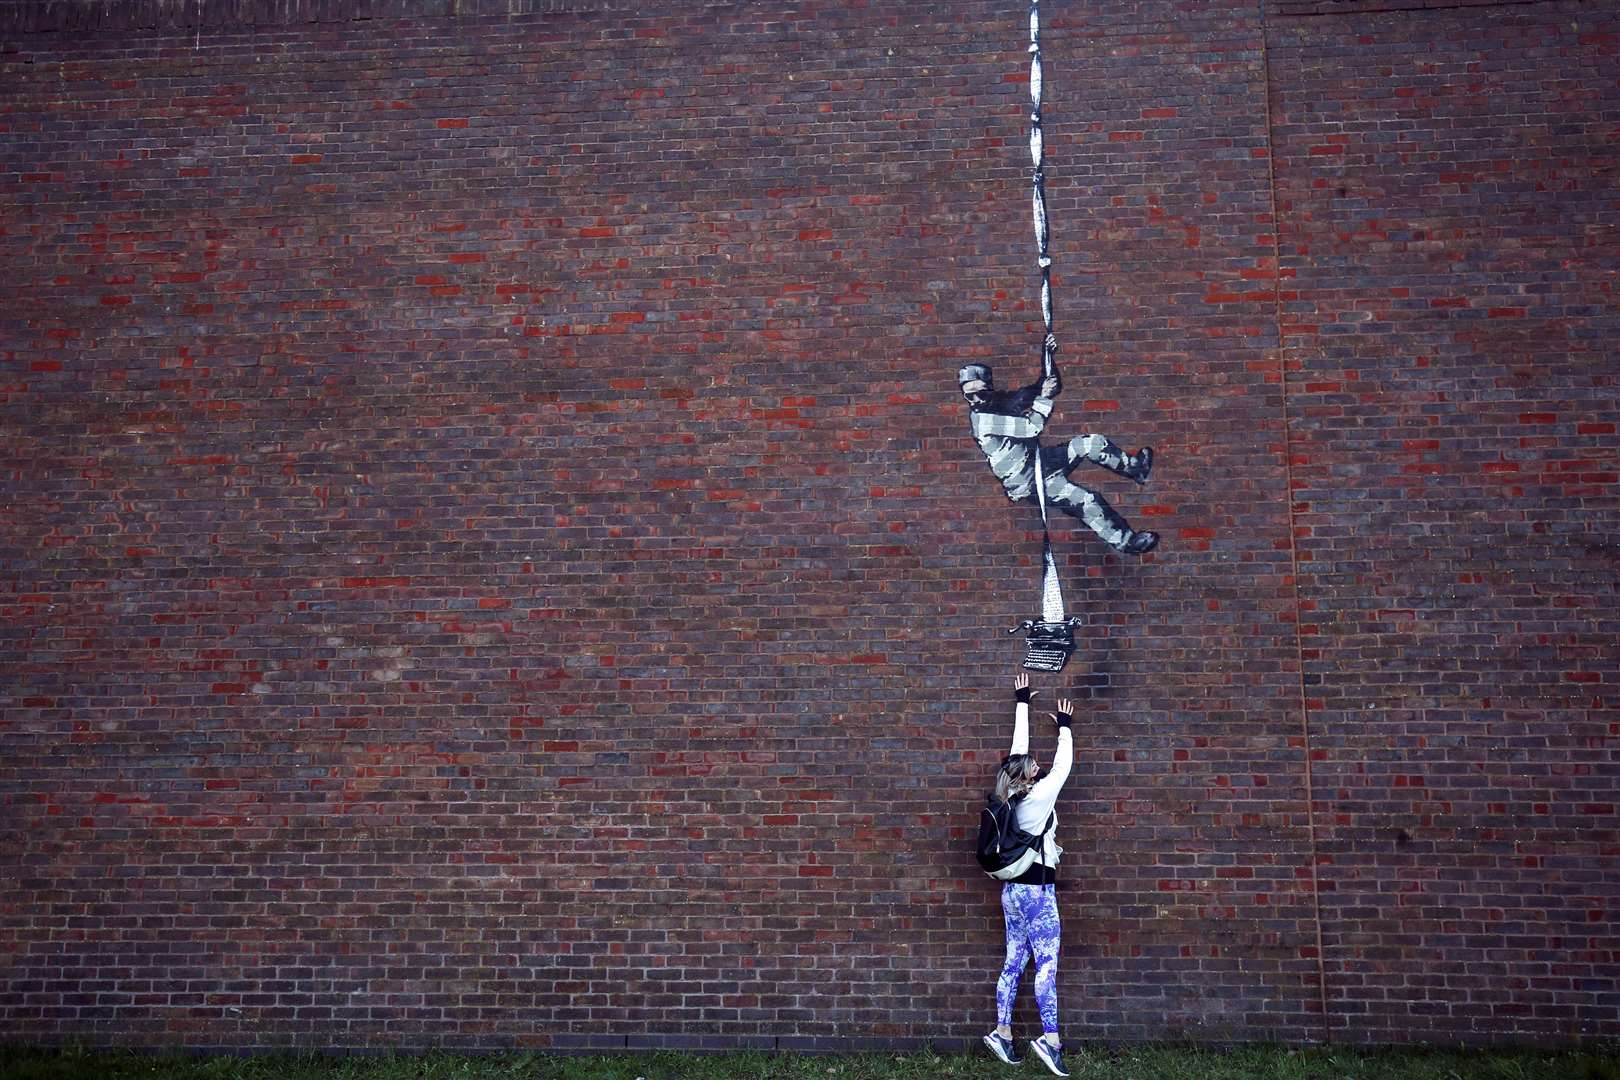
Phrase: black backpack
[1005,850]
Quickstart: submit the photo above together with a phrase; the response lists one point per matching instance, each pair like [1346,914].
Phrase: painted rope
[1052,608]
[1037,154]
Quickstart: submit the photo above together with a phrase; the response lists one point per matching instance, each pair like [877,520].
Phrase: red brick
[545,539]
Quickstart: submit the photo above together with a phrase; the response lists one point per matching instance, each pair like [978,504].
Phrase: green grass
[1138,1063]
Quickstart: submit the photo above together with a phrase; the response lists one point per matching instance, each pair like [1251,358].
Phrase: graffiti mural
[1007,425]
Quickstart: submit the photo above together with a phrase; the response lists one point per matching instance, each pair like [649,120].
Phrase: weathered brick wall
[1447,194]
[493,554]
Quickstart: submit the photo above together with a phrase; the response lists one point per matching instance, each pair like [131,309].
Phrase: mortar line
[1293,543]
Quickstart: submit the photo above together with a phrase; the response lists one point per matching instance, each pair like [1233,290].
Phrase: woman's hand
[1021,688]
[1065,713]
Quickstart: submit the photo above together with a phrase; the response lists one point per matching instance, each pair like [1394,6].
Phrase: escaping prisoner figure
[1007,425]
[1029,901]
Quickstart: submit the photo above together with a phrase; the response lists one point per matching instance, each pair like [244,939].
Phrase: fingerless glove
[1064,719]
[1023,694]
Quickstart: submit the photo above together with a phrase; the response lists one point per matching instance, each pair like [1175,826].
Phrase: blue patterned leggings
[1032,927]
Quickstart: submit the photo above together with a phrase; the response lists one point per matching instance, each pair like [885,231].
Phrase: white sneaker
[1003,1049]
[1052,1059]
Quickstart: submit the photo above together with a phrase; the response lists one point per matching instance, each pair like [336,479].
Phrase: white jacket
[1036,807]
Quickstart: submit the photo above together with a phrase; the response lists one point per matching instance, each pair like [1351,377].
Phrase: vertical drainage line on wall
[1293,542]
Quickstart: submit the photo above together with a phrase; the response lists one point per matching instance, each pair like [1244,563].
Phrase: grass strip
[1092,1063]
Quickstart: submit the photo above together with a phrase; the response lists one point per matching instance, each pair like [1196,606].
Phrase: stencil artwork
[1007,425]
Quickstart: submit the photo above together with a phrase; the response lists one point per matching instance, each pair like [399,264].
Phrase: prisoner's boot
[1140,543]
[1139,465]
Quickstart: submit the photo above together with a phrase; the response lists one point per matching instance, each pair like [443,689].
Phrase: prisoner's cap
[973,373]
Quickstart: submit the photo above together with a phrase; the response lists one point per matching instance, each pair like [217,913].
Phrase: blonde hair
[1015,777]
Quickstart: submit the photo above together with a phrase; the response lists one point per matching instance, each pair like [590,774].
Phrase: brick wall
[493,554]
[1447,223]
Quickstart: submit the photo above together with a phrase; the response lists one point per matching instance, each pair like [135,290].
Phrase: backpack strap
[1051,821]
